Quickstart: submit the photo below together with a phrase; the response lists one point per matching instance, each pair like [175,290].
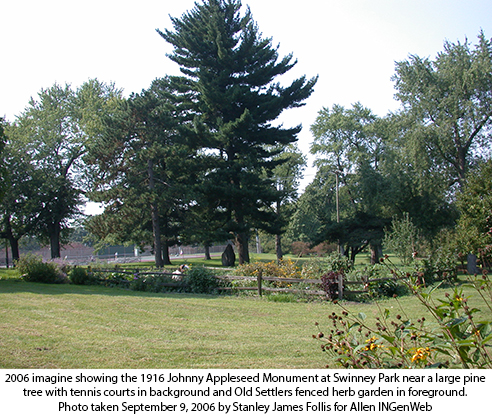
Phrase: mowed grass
[68,326]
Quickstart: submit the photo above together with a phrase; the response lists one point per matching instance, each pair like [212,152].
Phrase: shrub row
[197,280]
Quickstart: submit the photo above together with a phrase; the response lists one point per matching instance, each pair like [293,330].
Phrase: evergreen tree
[231,70]
[143,168]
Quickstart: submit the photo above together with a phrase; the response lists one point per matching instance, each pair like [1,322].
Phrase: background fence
[260,280]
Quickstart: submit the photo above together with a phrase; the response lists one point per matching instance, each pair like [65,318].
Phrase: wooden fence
[260,279]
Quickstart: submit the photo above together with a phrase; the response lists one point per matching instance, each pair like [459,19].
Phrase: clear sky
[351,44]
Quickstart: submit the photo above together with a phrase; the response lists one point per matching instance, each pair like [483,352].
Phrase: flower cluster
[454,337]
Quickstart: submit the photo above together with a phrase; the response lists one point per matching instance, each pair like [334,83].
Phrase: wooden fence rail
[259,287]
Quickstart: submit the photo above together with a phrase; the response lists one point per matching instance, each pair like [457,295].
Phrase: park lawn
[68,326]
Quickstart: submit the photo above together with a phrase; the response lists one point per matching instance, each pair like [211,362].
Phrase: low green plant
[33,269]
[156,284]
[453,337]
[79,276]
[282,298]
[438,267]
[201,280]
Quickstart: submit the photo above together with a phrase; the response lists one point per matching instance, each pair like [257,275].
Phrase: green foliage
[202,280]
[144,169]
[33,269]
[452,338]
[448,103]
[52,136]
[79,276]
[386,288]
[402,238]
[438,267]
[475,204]
[155,284]
[231,72]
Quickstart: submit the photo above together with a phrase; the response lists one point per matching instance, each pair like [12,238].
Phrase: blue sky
[351,44]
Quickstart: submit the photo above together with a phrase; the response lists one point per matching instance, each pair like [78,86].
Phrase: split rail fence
[260,280]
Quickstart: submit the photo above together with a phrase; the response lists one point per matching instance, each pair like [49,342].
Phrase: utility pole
[337,173]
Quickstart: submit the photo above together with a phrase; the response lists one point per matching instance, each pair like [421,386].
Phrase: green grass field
[68,326]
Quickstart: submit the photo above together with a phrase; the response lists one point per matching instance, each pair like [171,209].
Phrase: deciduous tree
[449,101]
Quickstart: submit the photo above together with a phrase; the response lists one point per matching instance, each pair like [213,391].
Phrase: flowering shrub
[454,338]
[283,269]
[286,268]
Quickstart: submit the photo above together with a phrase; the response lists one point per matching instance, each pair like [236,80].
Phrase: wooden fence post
[340,286]
[259,279]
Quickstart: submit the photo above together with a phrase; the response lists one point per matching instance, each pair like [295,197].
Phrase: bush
[79,276]
[315,268]
[202,281]
[403,239]
[440,266]
[154,283]
[376,281]
[33,269]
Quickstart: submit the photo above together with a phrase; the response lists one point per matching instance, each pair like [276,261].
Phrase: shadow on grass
[14,286]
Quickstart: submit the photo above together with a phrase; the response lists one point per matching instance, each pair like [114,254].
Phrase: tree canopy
[449,101]
[232,70]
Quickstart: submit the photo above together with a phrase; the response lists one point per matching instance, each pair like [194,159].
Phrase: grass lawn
[68,326]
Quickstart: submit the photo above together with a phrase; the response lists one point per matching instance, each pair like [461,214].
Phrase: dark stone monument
[228,257]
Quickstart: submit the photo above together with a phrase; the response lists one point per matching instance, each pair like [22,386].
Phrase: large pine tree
[232,71]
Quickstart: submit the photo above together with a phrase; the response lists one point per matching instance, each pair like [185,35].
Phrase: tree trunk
[156,227]
[6,255]
[376,254]
[13,241]
[207,253]
[55,241]
[165,254]
[242,247]
[278,247]
[14,246]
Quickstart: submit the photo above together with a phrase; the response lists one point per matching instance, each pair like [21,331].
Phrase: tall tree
[350,146]
[449,101]
[287,176]
[54,132]
[232,70]
[21,202]
[144,167]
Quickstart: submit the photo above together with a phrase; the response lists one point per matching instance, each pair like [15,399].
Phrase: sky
[352,45]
